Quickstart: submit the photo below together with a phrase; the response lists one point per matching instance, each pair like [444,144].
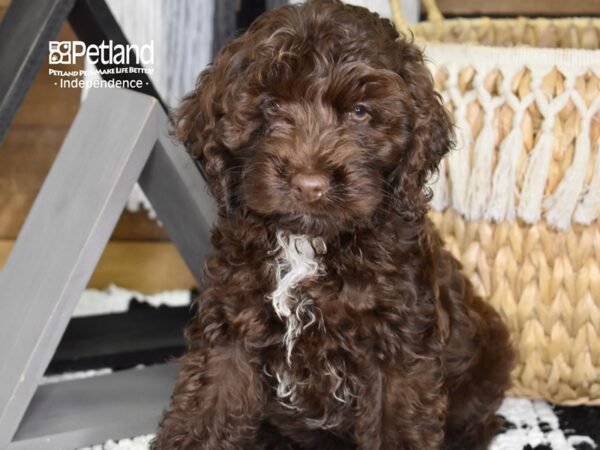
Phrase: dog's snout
[310,186]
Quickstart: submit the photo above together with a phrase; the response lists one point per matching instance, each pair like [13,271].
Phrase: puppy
[331,316]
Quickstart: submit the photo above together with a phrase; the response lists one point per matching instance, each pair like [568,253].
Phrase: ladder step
[84,412]
[142,335]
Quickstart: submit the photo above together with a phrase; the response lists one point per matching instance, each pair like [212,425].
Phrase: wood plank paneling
[144,266]
[134,226]
[147,267]
[25,158]
[47,104]
[31,144]
[5,248]
[3,7]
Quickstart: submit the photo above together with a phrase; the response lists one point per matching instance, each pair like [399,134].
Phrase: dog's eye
[273,106]
[278,164]
[359,112]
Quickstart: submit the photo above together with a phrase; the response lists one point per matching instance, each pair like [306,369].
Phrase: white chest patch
[295,262]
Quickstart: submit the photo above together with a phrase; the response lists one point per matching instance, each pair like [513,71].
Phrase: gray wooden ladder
[117,138]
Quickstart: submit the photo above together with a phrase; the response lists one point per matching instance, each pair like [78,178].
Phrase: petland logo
[113,65]
[67,52]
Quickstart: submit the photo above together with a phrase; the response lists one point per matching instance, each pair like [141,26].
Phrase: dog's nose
[310,186]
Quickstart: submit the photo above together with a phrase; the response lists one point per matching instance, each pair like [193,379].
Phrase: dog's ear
[195,125]
[208,121]
[431,134]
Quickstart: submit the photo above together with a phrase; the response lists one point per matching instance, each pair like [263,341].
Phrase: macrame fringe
[562,203]
[484,182]
[501,205]
[536,176]
[540,158]
[458,166]
[459,159]
[480,181]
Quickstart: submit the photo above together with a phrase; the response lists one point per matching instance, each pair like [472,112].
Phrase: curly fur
[340,323]
[295,263]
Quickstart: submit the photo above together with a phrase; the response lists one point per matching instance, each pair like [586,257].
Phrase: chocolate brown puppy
[331,316]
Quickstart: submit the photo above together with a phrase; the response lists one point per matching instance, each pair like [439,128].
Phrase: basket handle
[433,13]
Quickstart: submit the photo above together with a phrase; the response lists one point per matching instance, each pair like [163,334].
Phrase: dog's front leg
[414,409]
[216,403]
[367,431]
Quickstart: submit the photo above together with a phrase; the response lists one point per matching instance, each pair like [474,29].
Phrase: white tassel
[458,166]
[561,204]
[589,208]
[501,206]
[502,201]
[480,181]
[540,158]
[536,176]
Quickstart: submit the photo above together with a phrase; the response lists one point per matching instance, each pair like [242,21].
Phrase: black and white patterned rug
[529,425]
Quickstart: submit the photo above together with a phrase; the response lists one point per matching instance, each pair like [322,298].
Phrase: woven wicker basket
[518,201]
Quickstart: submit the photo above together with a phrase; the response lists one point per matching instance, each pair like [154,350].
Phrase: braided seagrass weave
[518,201]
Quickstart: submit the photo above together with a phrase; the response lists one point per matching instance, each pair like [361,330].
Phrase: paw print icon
[60,52]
